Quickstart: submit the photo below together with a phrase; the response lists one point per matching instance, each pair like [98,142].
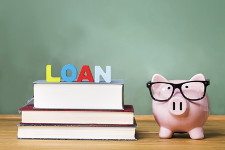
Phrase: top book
[79,95]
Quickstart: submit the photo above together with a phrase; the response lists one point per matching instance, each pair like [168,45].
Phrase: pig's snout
[177,106]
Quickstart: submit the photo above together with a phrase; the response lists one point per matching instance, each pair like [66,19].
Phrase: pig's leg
[196,133]
[165,133]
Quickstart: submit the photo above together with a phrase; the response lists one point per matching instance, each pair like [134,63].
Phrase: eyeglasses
[191,90]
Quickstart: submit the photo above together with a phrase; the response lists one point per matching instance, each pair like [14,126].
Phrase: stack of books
[78,110]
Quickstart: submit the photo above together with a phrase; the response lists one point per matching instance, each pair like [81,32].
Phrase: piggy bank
[180,105]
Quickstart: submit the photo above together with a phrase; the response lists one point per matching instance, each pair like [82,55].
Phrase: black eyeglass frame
[179,85]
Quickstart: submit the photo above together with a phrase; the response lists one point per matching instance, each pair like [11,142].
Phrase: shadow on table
[206,135]
[214,135]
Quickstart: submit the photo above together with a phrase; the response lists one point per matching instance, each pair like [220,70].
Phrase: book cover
[80,125]
[113,81]
[30,107]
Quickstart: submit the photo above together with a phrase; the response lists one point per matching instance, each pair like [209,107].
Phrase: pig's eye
[186,86]
[168,88]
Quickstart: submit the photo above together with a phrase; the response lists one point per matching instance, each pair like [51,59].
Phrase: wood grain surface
[146,133]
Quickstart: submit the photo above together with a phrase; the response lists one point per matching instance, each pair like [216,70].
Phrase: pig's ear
[158,78]
[198,77]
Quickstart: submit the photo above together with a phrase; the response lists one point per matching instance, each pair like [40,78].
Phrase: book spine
[123,96]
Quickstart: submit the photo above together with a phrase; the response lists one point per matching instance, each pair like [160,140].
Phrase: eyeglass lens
[193,90]
[162,91]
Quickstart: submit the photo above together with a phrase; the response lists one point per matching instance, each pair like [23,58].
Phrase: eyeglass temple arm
[208,82]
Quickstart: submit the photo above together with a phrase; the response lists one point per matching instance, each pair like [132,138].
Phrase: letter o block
[64,73]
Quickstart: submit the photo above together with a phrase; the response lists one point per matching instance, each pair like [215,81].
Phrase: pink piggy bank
[180,105]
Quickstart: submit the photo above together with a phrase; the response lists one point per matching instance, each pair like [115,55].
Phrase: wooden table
[146,133]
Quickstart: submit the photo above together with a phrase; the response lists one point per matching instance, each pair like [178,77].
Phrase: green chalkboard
[138,38]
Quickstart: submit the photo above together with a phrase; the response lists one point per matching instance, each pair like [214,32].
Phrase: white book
[93,132]
[75,116]
[79,95]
